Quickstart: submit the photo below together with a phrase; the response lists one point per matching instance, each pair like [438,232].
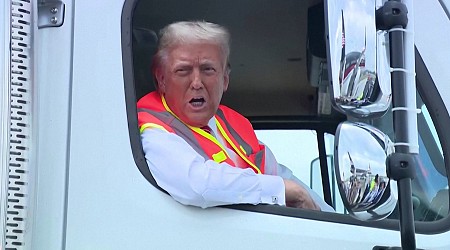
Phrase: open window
[279,81]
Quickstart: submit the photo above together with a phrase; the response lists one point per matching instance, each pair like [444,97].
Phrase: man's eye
[209,69]
[181,71]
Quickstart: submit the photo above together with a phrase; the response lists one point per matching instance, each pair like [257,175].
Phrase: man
[203,153]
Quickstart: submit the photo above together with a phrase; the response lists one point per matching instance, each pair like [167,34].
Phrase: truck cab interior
[279,81]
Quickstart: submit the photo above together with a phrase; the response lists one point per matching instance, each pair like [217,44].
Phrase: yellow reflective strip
[209,137]
[244,157]
[198,130]
[167,107]
[151,125]
[219,157]
[243,150]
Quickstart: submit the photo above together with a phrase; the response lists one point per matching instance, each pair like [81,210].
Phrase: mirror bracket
[400,166]
[392,13]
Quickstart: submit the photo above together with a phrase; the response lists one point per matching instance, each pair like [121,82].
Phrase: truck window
[275,83]
[299,150]
[430,187]
[270,77]
[302,151]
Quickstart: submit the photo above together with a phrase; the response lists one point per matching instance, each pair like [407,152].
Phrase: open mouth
[197,102]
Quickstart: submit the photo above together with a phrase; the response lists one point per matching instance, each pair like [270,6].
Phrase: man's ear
[159,75]
[226,80]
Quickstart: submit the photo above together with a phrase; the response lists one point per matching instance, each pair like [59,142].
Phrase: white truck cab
[72,171]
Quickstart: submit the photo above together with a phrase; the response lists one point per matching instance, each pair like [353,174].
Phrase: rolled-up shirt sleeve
[192,180]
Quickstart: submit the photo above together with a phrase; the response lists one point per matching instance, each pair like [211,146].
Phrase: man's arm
[287,174]
[192,180]
[295,196]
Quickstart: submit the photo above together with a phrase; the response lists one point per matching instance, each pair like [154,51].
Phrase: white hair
[189,32]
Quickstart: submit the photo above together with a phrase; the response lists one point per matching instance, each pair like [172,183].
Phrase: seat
[145,43]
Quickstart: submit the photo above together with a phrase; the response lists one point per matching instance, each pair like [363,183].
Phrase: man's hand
[297,196]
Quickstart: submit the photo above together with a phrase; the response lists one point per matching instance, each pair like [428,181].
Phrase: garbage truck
[352,96]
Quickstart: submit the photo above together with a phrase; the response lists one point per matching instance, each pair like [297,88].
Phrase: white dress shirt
[193,180]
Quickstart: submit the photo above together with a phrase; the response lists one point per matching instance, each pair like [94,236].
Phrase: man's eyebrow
[181,63]
[209,62]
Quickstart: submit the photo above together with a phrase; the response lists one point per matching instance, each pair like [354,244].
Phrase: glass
[360,155]
[430,187]
[358,59]
[293,148]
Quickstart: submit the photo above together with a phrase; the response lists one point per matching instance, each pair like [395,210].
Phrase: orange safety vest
[238,132]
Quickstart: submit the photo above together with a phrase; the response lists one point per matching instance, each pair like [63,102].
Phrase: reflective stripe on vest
[237,140]
[177,127]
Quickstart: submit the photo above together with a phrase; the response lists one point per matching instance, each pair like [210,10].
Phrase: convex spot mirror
[358,59]
[360,161]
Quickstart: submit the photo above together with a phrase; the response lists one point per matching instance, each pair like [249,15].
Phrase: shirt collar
[212,125]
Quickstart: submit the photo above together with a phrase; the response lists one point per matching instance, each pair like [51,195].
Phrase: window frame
[431,98]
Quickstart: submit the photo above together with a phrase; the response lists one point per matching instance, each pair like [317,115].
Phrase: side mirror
[360,161]
[358,59]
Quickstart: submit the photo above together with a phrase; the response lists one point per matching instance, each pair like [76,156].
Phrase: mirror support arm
[401,166]
[392,13]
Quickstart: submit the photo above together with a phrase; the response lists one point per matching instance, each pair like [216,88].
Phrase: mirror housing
[358,59]
[360,161]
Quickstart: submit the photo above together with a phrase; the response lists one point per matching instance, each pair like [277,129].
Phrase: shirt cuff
[272,189]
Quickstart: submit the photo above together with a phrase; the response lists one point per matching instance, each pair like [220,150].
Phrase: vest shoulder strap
[240,127]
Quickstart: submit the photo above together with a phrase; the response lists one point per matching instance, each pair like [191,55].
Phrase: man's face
[192,80]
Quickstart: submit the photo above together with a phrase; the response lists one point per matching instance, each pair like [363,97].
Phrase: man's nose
[196,80]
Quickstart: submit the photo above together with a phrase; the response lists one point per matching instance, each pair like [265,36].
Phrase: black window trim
[440,117]
[431,97]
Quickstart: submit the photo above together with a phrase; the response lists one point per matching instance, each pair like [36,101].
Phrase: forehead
[195,51]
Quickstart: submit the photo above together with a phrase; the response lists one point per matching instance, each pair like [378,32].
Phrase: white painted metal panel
[17,104]
[432,38]
[5,114]
[53,50]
